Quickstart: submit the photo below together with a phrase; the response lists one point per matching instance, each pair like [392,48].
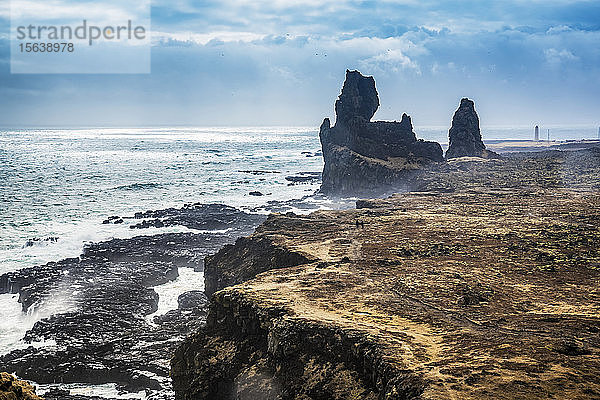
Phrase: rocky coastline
[100,332]
[346,304]
[487,290]
[476,281]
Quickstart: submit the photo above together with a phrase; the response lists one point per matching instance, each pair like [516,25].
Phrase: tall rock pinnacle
[359,98]
[465,136]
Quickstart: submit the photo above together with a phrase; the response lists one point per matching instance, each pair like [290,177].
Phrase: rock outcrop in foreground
[465,135]
[490,292]
[13,389]
[363,157]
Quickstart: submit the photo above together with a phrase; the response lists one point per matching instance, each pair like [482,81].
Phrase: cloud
[392,60]
[271,62]
[554,56]
[205,38]
[67,11]
[557,30]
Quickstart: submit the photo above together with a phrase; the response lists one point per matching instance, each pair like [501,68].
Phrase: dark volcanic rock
[244,260]
[34,241]
[102,335]
[359,98]
[191,300]
[196,216]
[100,326]
[465,135]
[304,177]
[247,352]
[363,157]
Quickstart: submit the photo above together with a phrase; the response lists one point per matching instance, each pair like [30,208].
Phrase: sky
[280,62]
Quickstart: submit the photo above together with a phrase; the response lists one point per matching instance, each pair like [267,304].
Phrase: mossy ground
[481,283]
[485,294]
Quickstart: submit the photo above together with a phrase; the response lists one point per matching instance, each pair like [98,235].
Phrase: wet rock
[192,299]
[111,219]
[100,302]
[259,172]
[465,135]
[34,241]
[304,177]
[152,223]
[196,216]
[59,394]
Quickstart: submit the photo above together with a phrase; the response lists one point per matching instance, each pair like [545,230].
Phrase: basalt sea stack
[363,157]
[465,135]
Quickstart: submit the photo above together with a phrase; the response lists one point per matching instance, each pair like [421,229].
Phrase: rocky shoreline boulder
[13,389]
[363,157]
[95,311]
[465,135]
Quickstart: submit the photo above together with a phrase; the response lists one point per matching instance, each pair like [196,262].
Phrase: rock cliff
[247,258]
[363,157]
[415,296]
[465,135]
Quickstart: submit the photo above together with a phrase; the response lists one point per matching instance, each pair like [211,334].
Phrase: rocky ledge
[489,291]
[13,389]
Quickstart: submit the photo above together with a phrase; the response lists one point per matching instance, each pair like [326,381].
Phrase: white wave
[107,390]
[72,237]
[168,293]
[15,322]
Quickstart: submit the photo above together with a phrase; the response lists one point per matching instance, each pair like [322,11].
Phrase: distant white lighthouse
[537,133]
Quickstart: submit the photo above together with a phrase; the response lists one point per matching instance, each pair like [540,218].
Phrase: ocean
[58,185]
